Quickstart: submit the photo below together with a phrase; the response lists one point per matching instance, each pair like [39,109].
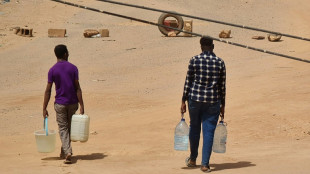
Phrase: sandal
[189,162]
[205,169]
[68,159]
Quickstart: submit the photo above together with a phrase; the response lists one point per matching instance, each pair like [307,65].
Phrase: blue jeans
[206,114]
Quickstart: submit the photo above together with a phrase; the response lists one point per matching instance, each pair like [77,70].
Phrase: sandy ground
[132,86]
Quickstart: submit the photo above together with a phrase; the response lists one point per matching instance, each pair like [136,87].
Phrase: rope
[205,19]
[192,33]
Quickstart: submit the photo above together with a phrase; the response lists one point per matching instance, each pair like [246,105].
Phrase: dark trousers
[207,115]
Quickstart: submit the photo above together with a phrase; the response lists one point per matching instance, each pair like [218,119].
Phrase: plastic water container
[181,136]
[220,137]
[80,128]
[45,139]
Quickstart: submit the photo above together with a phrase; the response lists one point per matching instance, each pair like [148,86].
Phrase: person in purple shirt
[68,94]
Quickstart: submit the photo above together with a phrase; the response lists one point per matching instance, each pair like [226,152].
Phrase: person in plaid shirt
[204,90]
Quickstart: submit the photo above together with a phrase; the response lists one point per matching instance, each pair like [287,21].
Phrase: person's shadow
[93,156]
[225,166]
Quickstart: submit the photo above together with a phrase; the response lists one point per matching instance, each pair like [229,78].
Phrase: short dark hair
[60,51]
[206,41]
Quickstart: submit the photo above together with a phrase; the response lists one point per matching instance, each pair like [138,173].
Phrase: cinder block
[274,37]
[188,26]
[25,31]
[90,33]
[19,32]
[172,34]
[104,32]
[57,32]
[16,30]
[225,34]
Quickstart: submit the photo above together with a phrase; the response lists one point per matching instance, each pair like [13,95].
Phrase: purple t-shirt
[64,74]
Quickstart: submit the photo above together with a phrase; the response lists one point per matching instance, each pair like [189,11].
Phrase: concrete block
[225,34]
[188,26]
[104,32]
[90,32]
[27,32]
[16,30]
[258,37]
[24,31]
[172,34]
[274,37]
[19,32]
[57,32]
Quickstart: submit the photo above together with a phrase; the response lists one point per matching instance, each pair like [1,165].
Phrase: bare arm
[47,96]
[79,95]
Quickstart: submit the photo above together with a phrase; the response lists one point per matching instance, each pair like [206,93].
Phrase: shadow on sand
[93,156]
[225,166]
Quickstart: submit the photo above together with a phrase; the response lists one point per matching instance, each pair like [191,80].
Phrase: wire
[192,33]
[205,19]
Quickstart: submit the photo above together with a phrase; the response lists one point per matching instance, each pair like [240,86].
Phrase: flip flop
[68,159]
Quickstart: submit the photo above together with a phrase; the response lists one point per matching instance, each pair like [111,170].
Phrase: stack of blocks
[24,31]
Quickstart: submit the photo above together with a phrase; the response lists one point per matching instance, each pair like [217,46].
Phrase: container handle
[182,117]
[222,122]
[45,126]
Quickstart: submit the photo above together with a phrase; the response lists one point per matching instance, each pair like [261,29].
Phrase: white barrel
[80,128]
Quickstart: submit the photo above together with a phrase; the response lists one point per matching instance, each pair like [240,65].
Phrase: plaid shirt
[206,79]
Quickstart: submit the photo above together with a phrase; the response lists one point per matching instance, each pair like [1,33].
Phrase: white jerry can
[80,128]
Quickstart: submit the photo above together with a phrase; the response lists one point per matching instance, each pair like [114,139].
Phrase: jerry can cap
[182,117]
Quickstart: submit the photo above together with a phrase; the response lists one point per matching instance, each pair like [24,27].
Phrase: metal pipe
[195,34]
[205,19]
